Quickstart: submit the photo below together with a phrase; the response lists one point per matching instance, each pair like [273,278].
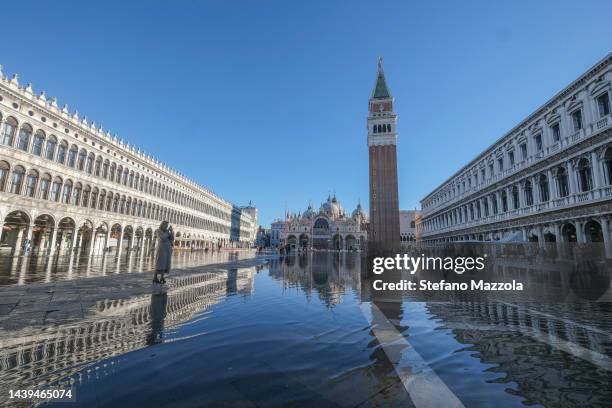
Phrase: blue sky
[267,100]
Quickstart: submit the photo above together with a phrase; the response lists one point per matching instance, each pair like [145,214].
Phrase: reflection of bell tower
[384,234]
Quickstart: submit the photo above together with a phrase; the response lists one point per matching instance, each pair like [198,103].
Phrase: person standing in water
[165,237]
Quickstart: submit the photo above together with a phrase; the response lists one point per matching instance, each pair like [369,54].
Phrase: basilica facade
[329,228]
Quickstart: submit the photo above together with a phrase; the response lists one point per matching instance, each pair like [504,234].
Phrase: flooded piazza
[308,330]
[22,270]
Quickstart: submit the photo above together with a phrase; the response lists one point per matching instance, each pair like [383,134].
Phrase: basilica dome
[332,208]
[358,213]
[309,213]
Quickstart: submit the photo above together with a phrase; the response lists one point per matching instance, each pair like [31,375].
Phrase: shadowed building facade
[384,234]
[549,179]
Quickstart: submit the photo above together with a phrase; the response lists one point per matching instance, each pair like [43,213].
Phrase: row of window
[508,160]
[79,159]
[511,199]
[407,238]
[46,187]
[382,128]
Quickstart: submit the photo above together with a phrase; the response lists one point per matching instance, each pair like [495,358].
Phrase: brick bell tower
[384,234]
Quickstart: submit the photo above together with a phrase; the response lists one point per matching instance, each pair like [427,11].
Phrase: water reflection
[23,270]
[65,353]
[158,315]
[310,330]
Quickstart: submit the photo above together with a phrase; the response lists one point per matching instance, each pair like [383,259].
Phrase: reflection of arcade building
[329,228]
[80,349]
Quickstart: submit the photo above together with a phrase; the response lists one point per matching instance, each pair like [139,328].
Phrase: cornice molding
[536,167]
[600,69]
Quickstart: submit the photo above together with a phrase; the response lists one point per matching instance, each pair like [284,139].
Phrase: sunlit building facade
[330,228]
[407,219]
[547,180]
[65,183]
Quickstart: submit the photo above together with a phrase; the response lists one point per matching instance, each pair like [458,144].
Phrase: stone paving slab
[35,308]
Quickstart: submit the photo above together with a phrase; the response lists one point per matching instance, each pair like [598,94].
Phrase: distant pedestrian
[165,237]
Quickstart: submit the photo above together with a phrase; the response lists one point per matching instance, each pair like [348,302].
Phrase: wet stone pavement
[41,307]
[307,331]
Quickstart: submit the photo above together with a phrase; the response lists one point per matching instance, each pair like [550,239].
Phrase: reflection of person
[165,237]
[158,314]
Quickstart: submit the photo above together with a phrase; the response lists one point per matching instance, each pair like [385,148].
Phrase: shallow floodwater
[22,270]
[310,331]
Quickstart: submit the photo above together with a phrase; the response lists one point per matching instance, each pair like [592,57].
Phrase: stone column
[497,198]
[508,198]
[154,238]
[552,185]
[52,242]
[558,240]
[540,236]
[29,235]
[571,176]
[130,242]
[44,240]
[580,237]
[18,241]
[75,235]
[559,236]
[107,240]
[120,242]
[596,170]
[535,190]
[92,242]
[605,229]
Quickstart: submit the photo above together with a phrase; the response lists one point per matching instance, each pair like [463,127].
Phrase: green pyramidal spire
[381,90]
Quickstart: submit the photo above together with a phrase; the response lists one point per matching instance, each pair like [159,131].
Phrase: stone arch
[5,170]
[362,242]
[607,161]
[66,233]
[17,179]
[138,239]
[292,242]
[115,238]
[50,147]
[62,152]
[16,225]
[568,231]
[350,243]
[593,231]
[549,237]
[337,242]
[23,138]
[42,234]
[102,227]
[532,236]
[8,131]
[585,174]
[304,241]
[321,223]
